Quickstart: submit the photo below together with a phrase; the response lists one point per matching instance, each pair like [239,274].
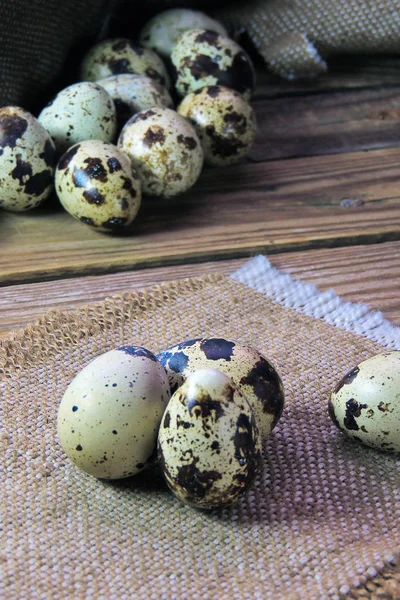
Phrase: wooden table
[319,195]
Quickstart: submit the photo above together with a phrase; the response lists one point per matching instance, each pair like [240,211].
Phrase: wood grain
[345,73]
[369,274]
[310,125]
[270,207]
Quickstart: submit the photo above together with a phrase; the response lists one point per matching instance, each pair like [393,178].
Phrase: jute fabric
[323,517]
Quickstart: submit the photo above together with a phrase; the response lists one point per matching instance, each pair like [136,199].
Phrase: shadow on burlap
[322,517]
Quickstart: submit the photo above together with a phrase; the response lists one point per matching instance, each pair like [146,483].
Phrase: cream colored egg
[255,376]
[208,444]
[120,55]
[365,404]
[165,150]
[224,122]
[82,111]
[109,416]
[133,93]
[161,32]
[203,57]
[97,184]
[27,160]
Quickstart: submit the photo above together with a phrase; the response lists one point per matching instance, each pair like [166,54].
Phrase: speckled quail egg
[161,32]
[27,160]
[365,404]
[133,93]
[224,122]
[249,370]
[202,57]
[109,416]
[120,55]
[82,111]
[165,150]
[208,442]
[97,184]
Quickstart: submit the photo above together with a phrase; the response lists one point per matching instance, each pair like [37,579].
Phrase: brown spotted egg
[161,32]
[133,93]
[120,55]
[97,184]
[82,111]
[109,416]
[202,57]
[165,150]
[365,404]
[208,442]
[27,160]
[224,122]
[249,370]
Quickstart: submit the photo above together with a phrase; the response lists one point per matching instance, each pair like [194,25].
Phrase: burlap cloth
[322,517]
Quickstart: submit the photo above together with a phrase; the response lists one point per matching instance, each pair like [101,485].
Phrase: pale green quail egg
[208,444]
[202,57]
[161,32]
[165,150]
[133,93]
[27,160]
[97,184]
[109,416]
[224,122]
[120,55]
[82,111]
[365,404]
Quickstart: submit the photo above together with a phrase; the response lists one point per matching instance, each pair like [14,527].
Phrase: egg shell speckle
[120,55]
[109,416]
[255,376]
[27,160]
[365,404]
[161,32]
[224,122]
[133,93]
[202,57]
[82,111]
[208,444]
[97,184]
[165,150]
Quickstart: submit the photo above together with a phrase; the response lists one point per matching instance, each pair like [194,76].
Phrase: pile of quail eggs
[103,142]
[201,410]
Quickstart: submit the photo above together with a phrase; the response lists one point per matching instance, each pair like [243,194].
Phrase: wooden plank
[344,73]
[311,125]
[233,212]
[369,274]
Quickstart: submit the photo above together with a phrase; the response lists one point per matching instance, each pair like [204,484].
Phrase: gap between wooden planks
[276,206]
[369,274]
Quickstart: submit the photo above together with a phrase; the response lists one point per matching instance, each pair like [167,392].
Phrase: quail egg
[165,150]
[249,370]
[96,183]
[27,160]
[365,404]
[109,416]
[202,57]
[120,55]
[82,111]
[208,443]
[224,122]
[161,32]
[133,93]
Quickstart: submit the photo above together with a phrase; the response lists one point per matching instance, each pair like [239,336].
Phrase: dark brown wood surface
[319,193]
[368,274]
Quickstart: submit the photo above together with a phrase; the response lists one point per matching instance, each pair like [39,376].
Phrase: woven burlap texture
[322,517]
[293,35]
